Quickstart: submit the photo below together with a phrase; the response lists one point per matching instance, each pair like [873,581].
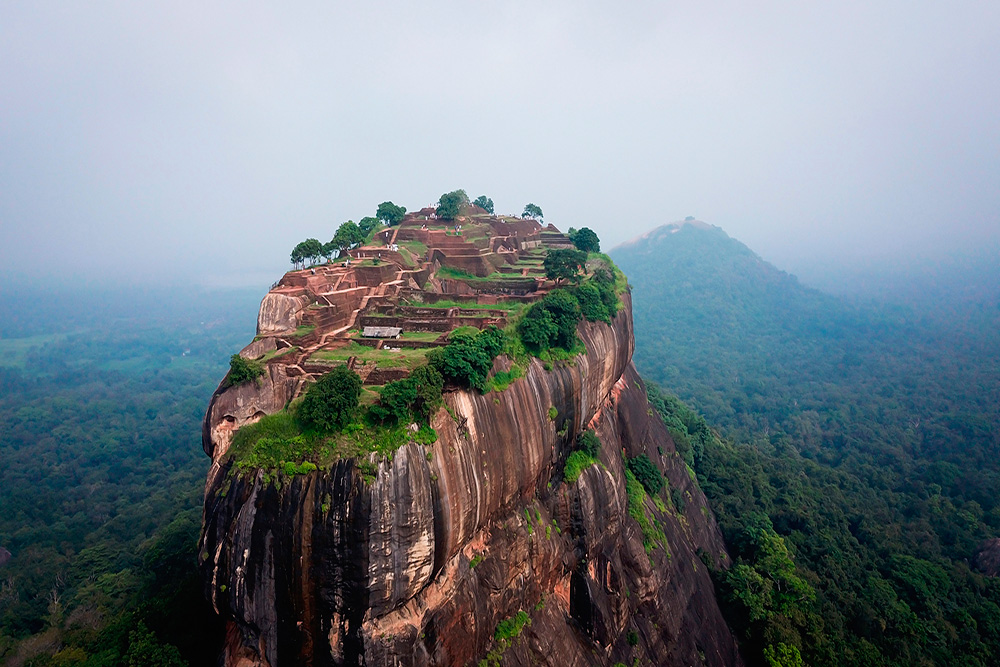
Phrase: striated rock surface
[473,550]
[419,565]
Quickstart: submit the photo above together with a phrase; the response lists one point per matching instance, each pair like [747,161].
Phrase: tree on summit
[585,239]
[564,264]
[389,213]
[485,203]
[310,249]
[532,211]
[367,224]
[450,204]
[348,235]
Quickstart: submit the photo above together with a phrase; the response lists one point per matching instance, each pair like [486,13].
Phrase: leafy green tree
[532,211]
[450,204]
[367,224]
[310,249]
[389,213]
[585,239]
[592,306]
[348,235]
[467,359]
[416,396]
[537,329]
[332,401]
[296,255]
[242,370]
[564,264]
[485,203]
[550,322]
[783,655]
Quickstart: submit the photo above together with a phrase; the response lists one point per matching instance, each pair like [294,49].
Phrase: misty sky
[199,141]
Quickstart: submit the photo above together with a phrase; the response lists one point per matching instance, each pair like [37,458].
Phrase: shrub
[426,436]
[332,402]
[416,396]
[575,465]
[303,468]
[677,498]
[588,443]
[551,322]
[509,628]
[242,370]
[585,239]
[647,473]
[467,360]
[606,283]
[592,306]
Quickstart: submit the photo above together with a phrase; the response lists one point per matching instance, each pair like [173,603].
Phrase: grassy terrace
[416,248]
[277,442]
[274,354]
[503,305]
[384,358]
[457,274]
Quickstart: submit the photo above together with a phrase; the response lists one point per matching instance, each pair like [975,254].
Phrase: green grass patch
[476,560]
[416,248]
[405,358]
[422,336]
[466,305]
[455,274]
[426,435]
[304,330]
[652,532]
[277,442]
[274,354]
[500,381]
[577,462]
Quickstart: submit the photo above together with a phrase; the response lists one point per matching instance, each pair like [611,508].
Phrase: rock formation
[473,549]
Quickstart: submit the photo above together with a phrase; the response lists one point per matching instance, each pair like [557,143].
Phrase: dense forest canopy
[864,435]
[100,413]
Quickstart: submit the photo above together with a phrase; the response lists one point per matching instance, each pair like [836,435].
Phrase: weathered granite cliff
[473,548]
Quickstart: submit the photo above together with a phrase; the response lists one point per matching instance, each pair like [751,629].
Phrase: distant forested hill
[865,435]
[101,400]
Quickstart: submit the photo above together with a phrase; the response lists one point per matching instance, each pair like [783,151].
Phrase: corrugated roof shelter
[381,332]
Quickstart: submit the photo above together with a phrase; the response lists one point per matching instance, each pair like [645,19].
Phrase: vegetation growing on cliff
[652,531]
[583,456]
[242,370]
[331,402]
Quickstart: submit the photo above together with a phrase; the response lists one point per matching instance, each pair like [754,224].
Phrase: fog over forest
[185,143]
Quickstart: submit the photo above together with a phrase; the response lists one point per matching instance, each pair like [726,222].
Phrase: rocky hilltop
[478,545]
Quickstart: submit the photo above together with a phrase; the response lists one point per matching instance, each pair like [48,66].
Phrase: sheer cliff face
[419,565]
